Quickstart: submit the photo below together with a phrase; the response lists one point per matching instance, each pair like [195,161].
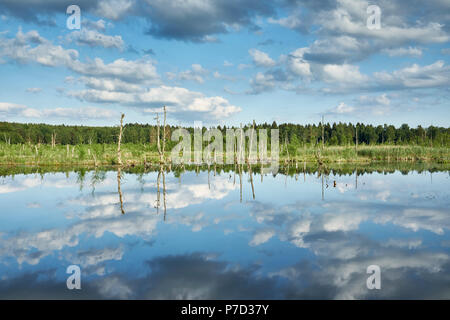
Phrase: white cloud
[99,25]
[345,73]
[43,52]
[262,83]
[112,84]
[364,105]
[297,65]
[135,71]
[342,108]
[349,18]
[293,21]
[243,66]
[94,38]
[179,100]
[34,90]
[8,110]
[261,237]
[196,73]
[410,51]
[218,75]
[261,58]
[114,9]
[415,76]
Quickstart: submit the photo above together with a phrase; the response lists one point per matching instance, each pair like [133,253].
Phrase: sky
[225,62]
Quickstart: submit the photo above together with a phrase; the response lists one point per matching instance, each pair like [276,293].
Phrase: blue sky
[225,62]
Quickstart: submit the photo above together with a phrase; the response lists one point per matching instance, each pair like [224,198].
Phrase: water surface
[200,235]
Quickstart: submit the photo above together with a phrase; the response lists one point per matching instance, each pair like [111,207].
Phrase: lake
[225,235]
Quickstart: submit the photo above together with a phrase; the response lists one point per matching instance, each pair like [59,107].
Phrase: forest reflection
[322,172]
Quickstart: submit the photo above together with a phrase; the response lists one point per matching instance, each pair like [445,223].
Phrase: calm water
[301,237]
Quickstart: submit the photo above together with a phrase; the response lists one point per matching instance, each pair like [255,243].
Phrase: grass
[139,154]
[366,153]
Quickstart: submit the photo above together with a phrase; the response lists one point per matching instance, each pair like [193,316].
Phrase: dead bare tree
[163,149]
[119,190]
[119,155]
[164,136]
[158,143]
[164,194]
[53,139]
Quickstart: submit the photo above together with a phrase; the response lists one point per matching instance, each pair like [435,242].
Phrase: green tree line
[294,135]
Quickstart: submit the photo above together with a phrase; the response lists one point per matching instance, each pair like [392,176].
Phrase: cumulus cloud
[180,101]
[261,236]
[136,71]
[261,58]
[99,25]
[343,40]
[376,105]
[114,9]
[297,64]
[341,108]
[31,47]
[415,76]
[120,81]
[200,20]
[262,83]
[112,84]
[8,110]
[197,73]
[293,21]
[94,38]
[345,73]
[410,51]
[182,20]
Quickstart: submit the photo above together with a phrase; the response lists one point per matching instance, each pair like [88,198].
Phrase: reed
[140,154]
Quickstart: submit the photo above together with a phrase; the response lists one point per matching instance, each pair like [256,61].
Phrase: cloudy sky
[225,61]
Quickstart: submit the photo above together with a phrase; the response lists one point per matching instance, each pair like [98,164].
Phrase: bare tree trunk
[251,181]
[322,187]
[164,136]
[240,182]
[251,144]
[53,139]
[249,161]
[241,152]
[164,194]
[287,149]
[95,160]
[158,143]
[158,193]
[322,133]
[119,190]
[119,155]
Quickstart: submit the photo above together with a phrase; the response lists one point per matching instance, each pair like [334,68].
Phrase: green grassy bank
[141,154]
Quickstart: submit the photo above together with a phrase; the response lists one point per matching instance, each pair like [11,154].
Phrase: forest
[296,135]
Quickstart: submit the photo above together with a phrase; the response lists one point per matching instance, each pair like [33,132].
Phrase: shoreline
[142,154]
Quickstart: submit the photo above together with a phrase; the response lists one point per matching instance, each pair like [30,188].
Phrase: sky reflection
[287,243]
